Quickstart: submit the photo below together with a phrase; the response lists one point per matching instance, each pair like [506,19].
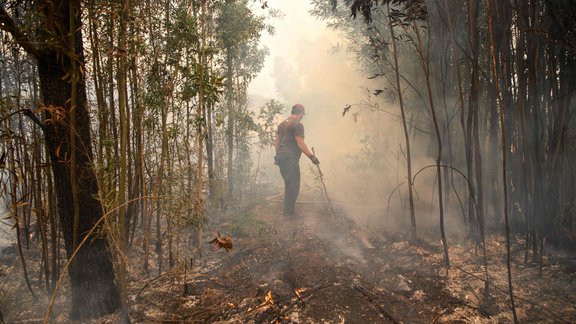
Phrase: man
[289,147]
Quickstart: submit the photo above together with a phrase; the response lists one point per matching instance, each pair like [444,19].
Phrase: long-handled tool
[321,176]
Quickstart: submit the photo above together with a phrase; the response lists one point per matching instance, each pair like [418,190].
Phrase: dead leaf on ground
[222,242]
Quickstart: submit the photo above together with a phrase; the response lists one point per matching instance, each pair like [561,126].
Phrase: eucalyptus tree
[239,33]
[51,34]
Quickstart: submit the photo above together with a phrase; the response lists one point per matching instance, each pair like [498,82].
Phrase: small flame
[269,299]
[299,291]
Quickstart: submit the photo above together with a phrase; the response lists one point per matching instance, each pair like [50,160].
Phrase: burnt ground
[316,268]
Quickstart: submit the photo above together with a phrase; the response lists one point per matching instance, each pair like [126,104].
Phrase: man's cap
[298,109]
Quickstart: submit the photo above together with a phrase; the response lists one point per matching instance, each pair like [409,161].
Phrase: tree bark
[426,68]
[503,147]
[94,291]
[405,128]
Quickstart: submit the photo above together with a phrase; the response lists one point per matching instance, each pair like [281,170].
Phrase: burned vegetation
[137,173]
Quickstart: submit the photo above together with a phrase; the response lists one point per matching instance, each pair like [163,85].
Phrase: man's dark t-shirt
[287,146]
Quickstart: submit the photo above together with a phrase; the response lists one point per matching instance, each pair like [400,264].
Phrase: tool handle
[317,165]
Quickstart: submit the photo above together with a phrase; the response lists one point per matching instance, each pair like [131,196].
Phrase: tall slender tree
[60,58]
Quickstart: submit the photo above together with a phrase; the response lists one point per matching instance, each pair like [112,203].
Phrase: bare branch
[8,24]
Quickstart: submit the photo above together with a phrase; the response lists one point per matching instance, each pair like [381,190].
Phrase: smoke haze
[362,153]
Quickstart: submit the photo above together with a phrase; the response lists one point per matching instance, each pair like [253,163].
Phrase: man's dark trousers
[290,171]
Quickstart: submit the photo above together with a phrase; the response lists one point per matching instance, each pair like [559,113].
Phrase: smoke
[362,153]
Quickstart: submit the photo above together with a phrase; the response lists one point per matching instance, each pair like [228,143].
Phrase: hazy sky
[291,30]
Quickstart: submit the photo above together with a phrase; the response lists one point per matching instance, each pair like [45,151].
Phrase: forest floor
[316,268]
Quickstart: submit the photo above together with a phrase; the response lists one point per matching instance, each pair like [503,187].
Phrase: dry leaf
[222,242]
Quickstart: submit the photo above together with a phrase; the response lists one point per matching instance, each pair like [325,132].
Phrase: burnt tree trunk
[94,291]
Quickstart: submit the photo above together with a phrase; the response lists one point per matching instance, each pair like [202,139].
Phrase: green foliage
[408,11]
[155,95]
[250,60]
[266,125]
[212,83]
[182,31]
[245,133]
[238,24]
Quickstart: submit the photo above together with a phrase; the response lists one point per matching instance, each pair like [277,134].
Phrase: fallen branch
[300,298]
[368,295]
[297,294]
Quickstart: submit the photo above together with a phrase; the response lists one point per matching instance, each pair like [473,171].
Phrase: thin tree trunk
[199,205]
[405,128]
[123,165]
[467,133]
[15,215]
[472,107]
[231,118]
[111,100]
[504,149]
[210,151]
[41,215]
[97,80]
[139,189]
[55,237]
[148,206]
[426,68]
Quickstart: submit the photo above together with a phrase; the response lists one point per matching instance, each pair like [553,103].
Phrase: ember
[268,299]
[300,290]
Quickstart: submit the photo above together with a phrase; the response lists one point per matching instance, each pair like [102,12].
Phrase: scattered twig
[216,283]
[502,290]
[297,294]
[149,283]
[300,299]
[368,295]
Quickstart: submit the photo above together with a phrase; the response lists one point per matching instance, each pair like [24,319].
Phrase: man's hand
[314,159]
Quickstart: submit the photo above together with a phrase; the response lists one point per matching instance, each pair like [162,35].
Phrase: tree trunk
[230,126]
[414,236]
[426,68]
[503,147]
[121,77]
[94,291]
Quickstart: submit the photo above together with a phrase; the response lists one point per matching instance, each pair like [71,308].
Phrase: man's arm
[303,147]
